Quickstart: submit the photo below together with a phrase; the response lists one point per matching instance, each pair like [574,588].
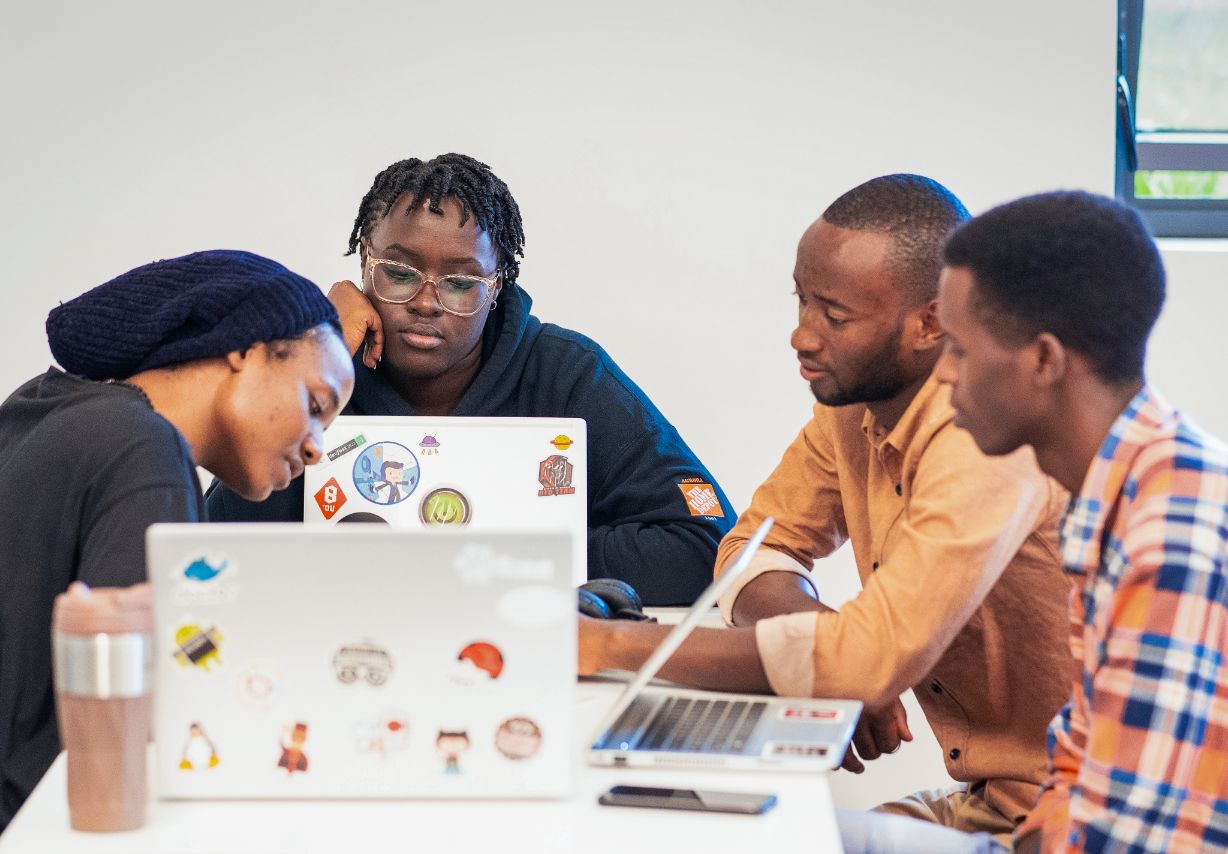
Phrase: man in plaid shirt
[1048,302]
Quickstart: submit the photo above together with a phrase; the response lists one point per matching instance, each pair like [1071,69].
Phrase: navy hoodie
[641,526]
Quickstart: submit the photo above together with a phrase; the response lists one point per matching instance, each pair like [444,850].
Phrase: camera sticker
[198,646]
[366,660]
[386,473]
[518,738]
[199,752]
[478,663]
[450,744]
[293,758]
[386,734]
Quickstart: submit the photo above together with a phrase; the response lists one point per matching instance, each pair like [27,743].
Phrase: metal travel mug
[102,644]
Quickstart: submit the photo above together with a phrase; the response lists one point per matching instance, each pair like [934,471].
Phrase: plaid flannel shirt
[1140,753]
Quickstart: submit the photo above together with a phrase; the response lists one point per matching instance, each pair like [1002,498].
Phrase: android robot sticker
[197,646]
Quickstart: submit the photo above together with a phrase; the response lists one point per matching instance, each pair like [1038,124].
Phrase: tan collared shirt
[964,595]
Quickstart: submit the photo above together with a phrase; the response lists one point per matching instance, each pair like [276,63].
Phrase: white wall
[666,158]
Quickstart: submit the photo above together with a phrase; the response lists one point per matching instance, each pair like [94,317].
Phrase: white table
[803,820]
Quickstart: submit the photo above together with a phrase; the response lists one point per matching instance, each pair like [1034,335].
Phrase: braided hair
[470,182]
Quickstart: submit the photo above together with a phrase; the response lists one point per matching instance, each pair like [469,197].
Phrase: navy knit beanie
[196,307]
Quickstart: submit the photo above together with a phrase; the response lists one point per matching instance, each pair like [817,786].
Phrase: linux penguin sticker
[199,752]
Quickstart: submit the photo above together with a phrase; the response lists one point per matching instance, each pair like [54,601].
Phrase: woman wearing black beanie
[221,359]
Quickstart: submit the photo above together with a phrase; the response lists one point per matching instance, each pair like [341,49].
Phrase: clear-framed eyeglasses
[397,283]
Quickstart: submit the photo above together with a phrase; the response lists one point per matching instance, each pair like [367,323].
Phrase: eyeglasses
[397,283]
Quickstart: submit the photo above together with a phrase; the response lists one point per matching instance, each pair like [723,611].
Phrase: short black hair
[1077,265]
[917,212]
[470,182]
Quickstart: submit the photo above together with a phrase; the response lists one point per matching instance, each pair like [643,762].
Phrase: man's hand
[360,322]
[877,733]
[594,638]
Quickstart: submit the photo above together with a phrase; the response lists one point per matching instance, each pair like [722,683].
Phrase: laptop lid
[299,662]
[706,601]
[418,472]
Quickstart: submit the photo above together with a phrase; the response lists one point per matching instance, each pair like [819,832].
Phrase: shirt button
[954,754]
[935,687]
[899,489]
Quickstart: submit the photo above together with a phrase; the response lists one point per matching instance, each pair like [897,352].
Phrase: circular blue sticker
[386,473]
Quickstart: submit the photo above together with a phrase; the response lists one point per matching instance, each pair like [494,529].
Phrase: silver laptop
[481,473]
[659,726]
[299,662]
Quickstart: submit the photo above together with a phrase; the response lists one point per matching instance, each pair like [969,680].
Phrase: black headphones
[611,599]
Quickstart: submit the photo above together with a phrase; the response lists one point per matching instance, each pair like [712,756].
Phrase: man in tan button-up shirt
[964,597]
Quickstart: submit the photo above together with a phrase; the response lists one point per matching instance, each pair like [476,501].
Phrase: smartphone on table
[746,803]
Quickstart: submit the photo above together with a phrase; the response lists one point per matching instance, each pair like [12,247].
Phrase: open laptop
[660,726]
[481,473]
[300,662]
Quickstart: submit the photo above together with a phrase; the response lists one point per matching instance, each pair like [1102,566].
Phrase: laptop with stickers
[362,662]
[482,473]
[660,726]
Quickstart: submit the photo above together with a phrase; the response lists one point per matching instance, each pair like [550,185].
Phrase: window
[1172,98]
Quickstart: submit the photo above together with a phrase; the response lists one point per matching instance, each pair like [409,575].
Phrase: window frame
[1161,150]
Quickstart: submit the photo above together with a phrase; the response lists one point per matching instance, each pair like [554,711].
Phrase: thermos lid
[104,610]
[102,641]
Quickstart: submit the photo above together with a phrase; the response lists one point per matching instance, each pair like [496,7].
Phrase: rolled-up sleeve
[803,495]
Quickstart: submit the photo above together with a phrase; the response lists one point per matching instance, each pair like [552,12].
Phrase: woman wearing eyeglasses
[441,326]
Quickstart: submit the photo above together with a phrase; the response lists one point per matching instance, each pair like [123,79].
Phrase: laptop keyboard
[684,725]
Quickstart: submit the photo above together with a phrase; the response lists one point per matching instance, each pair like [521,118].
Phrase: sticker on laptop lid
[366,660]
[389,733]
[345,447]
[554,473]
[258,683]
[363,516]
[199,752]
[811,713]
[478,663]
[330,498]
[518,738]
[562,442]
[701,498]
[205,579]
[386,473]
[444,507]
[450,744]
[794,750]
[293,755]
[197,646]
[429,445]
